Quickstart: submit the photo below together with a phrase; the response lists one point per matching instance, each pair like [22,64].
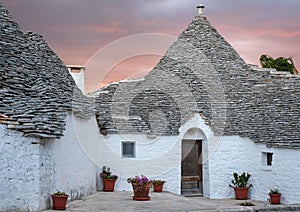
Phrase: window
[267,158]
[128,149]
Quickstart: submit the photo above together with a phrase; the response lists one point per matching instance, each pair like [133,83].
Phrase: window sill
[265,168]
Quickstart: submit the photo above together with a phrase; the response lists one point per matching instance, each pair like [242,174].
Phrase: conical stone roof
[36,89]
[202,73]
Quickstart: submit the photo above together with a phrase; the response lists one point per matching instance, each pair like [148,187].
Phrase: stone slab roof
[202,73]
[36,89]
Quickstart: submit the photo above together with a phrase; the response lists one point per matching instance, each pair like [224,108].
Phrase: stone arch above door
[194,134]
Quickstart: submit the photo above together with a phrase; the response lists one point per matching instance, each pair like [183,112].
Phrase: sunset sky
[77,29]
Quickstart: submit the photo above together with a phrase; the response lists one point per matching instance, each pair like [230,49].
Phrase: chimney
[77,72]
[200,9]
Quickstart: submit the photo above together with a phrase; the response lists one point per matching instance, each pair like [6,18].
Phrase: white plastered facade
[160,158]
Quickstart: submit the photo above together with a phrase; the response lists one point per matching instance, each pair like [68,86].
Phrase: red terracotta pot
[158,187]
[109,184]
[275,198]
[241,193]
[142,195]
[59,202]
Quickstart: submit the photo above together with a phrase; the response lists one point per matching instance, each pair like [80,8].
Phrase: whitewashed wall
[32,169]
[285,174]
[236,154]
[19,171]
[30,172]
[155,158]
[161,158]
[75,172]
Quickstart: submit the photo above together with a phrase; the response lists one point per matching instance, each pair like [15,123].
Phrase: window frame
[133,155]
[267,160]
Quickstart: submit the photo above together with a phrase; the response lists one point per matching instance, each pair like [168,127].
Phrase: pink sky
[77,29]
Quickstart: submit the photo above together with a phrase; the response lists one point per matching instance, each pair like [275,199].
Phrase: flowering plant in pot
[59,200]
[108,179]
[158,185]
[274,196]
[141,186]
[240,185]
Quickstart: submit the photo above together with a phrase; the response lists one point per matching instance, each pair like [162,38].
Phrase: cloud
[76,29]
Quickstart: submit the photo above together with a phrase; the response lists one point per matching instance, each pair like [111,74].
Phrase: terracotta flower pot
[158,187]
[109,184]
[241,193]
[143,194]
[59,202]
[275,198]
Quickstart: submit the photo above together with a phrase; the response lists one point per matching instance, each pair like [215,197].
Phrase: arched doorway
[191,163]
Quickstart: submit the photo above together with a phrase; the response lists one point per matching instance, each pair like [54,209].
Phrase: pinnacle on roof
[200,9]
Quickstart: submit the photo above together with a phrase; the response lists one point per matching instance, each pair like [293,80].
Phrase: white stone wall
[284,174]
[47,172]
[32,169]
[236,154]
[75,172]
[161,158]
[157,158]
[19,171]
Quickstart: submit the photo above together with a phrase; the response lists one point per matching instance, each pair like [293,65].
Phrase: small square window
[128,149]
[267,158]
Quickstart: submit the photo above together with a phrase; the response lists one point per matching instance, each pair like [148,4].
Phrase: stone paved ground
[165,201]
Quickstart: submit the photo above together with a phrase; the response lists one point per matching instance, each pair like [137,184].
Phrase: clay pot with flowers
[59,200]
[158,185]
[274,196]
[108,179]
[240,185]
[141,186]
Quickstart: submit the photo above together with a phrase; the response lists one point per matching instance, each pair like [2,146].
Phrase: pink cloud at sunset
[76,30]
[135,67]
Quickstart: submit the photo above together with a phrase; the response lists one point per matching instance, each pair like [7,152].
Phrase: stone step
[191,192]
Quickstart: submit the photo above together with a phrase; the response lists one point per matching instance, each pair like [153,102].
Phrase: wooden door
[191,167]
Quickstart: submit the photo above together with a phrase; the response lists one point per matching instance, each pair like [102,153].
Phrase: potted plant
[108,179]
[158,185]
[141,186]
[59,200]
[240,185]
[274,196]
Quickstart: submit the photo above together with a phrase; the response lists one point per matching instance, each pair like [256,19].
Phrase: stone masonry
[36,90]
[202,73]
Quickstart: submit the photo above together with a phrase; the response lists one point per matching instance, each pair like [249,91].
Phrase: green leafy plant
[240,181]
[274,191]
[107,174]
[158,182]
[60,193]
[280,63]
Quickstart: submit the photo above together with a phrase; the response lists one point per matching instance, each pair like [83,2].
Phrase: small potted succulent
[108,179]
[240,185]
[158,185]
[141,187]
[274,196]
[59,200]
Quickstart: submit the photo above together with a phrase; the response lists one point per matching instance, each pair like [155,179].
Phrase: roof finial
[200,9]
